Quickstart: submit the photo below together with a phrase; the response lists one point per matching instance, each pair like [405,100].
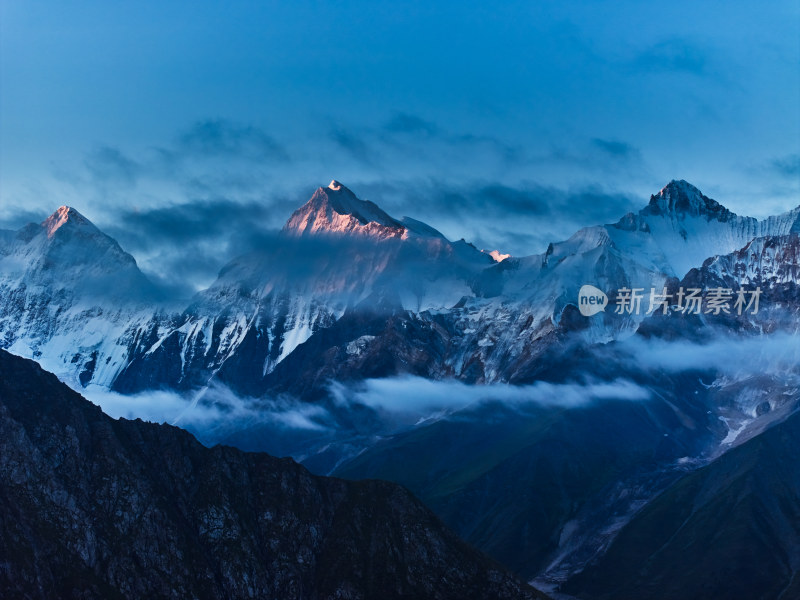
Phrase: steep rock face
[677,231]
[96,508]
[495,339]
[762,312]
[681,199]
[523,301]
[545,489]
[728,530]
[537,492]
[336,210]
[515,310]
[74,300]
[765,262]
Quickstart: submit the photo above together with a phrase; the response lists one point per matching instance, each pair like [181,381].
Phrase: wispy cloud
[108,164]
[216,408]
[407,123]
[354,144]
[185,245]
[522,218]
[15,217]
[396,403]
[421,397]
[787,166]
[778,353]
[220,137]
[676,55]
[617,149]
[186,207]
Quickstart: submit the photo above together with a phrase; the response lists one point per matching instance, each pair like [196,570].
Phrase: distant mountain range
[75,301]
[364,316]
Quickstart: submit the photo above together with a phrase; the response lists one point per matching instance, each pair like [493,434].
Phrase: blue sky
[508,125]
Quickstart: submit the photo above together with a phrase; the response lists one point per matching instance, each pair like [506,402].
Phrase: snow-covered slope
[72,298]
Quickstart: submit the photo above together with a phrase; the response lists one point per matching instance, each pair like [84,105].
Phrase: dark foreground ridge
[92,507]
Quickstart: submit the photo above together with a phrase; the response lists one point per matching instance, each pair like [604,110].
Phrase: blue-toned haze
[190,130]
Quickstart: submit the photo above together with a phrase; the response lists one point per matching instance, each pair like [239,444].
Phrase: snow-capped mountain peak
[337,210]
[63,216]
[681,227]
[67,251]
[681,198]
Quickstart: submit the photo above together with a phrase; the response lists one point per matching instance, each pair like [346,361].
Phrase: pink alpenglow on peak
[62,216]
[497,256]
[337,210]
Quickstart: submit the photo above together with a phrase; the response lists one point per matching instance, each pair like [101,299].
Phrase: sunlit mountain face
[371,347]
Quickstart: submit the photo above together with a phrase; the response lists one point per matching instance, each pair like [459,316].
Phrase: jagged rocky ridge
[91,507]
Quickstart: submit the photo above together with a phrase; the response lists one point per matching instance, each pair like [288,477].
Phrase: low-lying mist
[378,407]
